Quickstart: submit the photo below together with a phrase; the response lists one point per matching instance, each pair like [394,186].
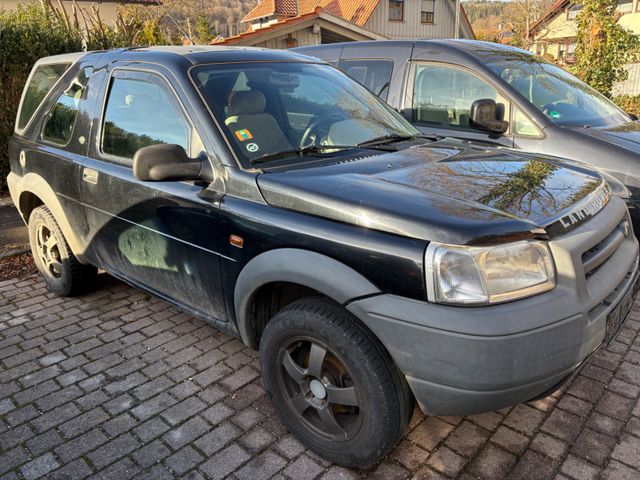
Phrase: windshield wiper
[310,149]
[390,138]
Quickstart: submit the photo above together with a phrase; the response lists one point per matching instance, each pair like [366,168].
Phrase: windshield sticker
[252,147]
[243,135]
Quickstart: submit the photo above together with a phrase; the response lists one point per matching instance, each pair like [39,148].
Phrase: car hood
[446,192]
[625,136]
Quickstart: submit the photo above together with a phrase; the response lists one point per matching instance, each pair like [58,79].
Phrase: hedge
[27,33]
[629,103]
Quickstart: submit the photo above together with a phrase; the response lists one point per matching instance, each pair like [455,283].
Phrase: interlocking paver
[120,385]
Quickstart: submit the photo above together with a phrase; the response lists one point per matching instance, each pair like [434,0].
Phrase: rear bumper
[12,184]
[461,360]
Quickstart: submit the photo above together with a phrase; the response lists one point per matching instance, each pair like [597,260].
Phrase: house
[107,8]
[554,34]
[291,23]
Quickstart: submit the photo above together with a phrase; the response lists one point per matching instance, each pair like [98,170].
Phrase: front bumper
[463,360]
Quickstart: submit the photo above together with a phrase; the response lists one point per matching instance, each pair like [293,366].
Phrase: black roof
[200,54]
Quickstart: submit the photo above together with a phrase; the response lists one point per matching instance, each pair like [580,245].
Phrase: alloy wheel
[319,388]
[48,251]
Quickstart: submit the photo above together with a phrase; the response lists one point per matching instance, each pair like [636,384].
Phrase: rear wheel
[333,384]
[61,270]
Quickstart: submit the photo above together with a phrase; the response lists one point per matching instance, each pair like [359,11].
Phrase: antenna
[174,22]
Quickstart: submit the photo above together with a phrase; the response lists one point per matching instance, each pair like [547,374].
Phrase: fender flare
[303,267]
[36,185]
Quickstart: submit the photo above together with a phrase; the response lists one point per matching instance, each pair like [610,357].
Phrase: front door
[162,236]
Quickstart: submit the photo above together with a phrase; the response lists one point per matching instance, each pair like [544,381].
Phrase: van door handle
[90,175]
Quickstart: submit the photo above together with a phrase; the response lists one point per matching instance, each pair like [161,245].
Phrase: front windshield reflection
[267,109]
[559,95]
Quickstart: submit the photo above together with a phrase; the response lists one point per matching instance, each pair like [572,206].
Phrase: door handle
[90,175]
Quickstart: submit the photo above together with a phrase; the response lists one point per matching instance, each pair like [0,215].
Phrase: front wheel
[332,383]
[61,270]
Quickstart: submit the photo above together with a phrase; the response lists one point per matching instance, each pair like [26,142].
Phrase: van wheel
[62,272]
[333,384]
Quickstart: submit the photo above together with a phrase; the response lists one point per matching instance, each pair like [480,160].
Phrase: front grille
[597,255]
[603,306]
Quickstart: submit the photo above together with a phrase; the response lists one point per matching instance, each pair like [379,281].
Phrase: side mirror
[161,162]
[485,115]
[634,117]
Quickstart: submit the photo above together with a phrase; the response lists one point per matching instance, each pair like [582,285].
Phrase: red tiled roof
[264,9]
[253,33]
[553,10]
[287,22]
[354,11]
[287,7]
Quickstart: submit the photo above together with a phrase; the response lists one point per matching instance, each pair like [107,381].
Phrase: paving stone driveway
[117,385]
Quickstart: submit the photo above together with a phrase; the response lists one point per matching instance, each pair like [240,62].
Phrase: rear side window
[373,74]
[62,117]
[141,111]
[43,79]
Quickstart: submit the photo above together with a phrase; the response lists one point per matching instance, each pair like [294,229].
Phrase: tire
[61,270]
[312,352]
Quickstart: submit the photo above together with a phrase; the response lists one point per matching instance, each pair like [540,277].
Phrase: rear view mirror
[161,162]
[485,115]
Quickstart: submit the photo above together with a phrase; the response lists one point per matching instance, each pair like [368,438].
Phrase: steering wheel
[316,123]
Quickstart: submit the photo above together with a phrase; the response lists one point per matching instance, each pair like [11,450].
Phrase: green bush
[27,33]
[629,103]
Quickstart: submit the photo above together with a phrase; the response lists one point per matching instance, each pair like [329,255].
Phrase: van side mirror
[487,115]
[161,162]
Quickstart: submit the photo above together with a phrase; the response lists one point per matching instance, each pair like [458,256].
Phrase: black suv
[274,197]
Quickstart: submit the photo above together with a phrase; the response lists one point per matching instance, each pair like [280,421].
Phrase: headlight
[485,275]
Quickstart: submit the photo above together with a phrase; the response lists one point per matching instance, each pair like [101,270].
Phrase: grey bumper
[462,360]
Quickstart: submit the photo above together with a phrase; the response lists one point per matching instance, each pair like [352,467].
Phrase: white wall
[411,27]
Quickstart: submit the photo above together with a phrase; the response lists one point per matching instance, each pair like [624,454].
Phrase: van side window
[373,74]
[59,124]
[42,80]
[443,95]
[141,111]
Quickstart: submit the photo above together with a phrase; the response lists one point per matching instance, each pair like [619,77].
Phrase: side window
[443,96]
[523,126]
[373,74]
[59,124]
[141,111]
[43,79]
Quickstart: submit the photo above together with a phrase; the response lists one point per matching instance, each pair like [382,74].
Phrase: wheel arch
[32,192]
[301,273]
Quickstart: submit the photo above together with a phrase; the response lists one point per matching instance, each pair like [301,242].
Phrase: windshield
[270,109]
[558,94]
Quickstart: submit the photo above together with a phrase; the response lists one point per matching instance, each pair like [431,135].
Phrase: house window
[426,14]
[573,12]
[625,6]
[396,10]
[562,51]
